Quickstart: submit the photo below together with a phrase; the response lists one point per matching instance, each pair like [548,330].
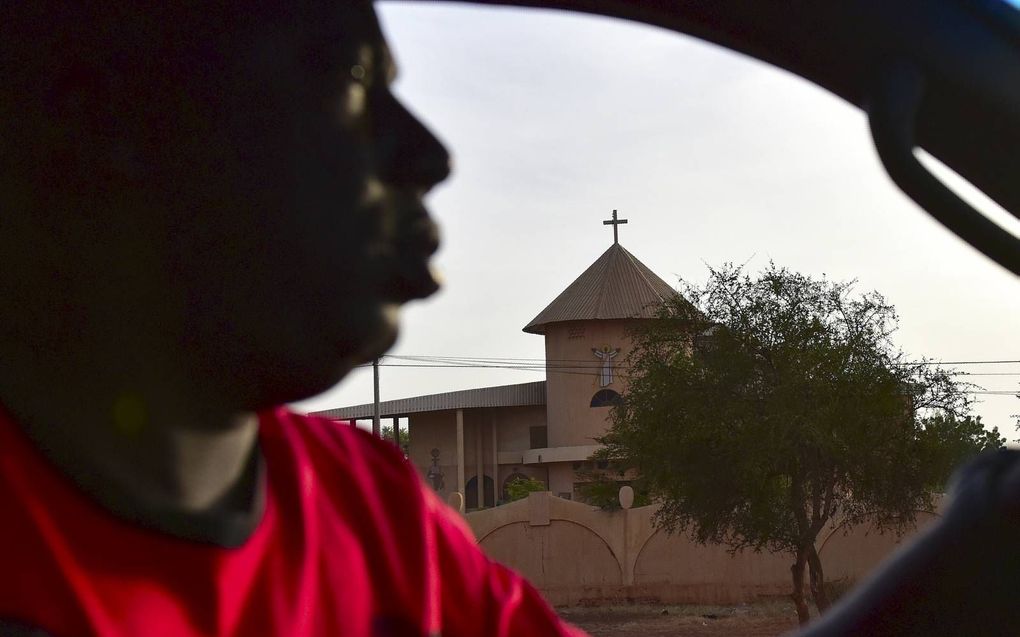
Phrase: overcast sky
[555,119]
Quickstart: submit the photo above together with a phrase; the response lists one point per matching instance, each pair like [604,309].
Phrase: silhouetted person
[209,211]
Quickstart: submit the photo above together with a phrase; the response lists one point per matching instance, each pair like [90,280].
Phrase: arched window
[471,493]
[605,398]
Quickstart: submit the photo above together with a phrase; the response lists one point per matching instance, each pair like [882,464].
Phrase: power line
[959,363]
[578,367]
[423,357]
[585,368]
[568,371]
[535,363]
[585,363]
[506,367]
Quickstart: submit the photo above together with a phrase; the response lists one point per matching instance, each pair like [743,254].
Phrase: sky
[555,119]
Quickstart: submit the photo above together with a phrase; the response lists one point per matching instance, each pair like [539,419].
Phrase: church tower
[586,346]
[477,441]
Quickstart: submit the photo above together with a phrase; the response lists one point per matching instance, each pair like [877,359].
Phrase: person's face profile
[233,188]
[314,232]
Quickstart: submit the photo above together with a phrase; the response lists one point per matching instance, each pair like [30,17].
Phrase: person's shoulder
[348,461]
[386,502]
[317,430]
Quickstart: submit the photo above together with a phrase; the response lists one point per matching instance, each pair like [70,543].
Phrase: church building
[476,441]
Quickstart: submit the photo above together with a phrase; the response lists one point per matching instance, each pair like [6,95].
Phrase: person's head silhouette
[207,210]
[223,202]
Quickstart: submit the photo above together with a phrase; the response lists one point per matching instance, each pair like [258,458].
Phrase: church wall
[572,420]
[513,426]
[578,554]
[477,424]
[438,430]
[513,434]
[561,479]
[435,430]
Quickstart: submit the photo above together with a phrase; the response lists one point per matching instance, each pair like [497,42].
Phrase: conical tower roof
[616,286]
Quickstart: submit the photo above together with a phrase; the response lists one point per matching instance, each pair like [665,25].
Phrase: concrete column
[495,464]
[460,451]
[479,465]
[396,431]
[376,426]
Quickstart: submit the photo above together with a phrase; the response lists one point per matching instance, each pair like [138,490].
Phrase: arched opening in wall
[606,398]
[471,493]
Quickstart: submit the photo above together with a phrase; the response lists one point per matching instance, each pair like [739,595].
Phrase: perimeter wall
[577,554]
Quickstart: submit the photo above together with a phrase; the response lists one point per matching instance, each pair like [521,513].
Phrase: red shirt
[351,543]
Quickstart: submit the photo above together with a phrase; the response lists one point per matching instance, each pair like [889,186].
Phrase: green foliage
[948,441]
[519,488]
[605,494]
[762,408]
[766,406]
[601,487]
[386,433]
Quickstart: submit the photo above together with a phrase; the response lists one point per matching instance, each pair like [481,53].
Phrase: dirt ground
[767,619]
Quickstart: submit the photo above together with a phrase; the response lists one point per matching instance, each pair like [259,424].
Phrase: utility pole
[376,427]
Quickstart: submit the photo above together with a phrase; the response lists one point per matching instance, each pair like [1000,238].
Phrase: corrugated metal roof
[502,396]
[616,286]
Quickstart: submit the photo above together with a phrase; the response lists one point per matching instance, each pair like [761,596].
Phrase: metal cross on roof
[615,223]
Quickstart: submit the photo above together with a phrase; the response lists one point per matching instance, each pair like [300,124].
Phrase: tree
[519,488]
[762,409]
[386,433]
[600,484]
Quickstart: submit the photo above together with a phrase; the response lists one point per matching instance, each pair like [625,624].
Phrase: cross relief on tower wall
[577,368]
